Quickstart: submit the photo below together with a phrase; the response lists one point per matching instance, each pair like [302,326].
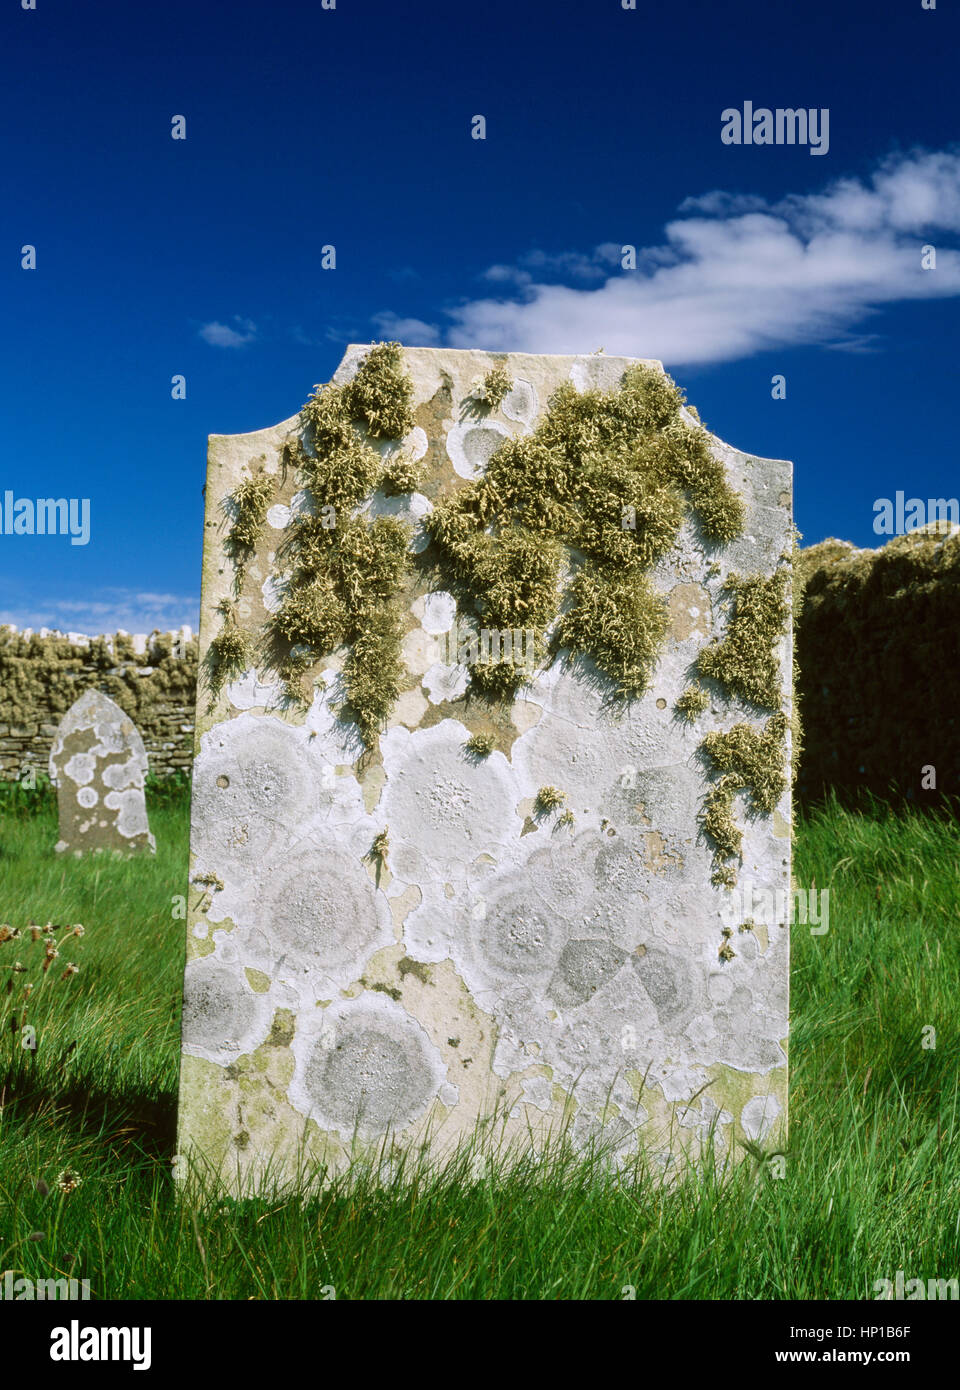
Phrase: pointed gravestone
[98,764]
[491,809]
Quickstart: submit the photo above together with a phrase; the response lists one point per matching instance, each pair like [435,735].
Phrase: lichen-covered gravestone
[98,764]
[492,773]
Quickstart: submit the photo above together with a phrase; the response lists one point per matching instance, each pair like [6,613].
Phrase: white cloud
[543,265]
[105,611]
[413,332]
[736,274]
[222,335]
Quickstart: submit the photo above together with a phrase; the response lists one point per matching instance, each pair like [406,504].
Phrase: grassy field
[872,1184]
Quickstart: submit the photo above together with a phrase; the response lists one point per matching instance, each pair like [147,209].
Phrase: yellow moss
[748,760]
[619,621]
[380,394]
[400,475]
[380,846]
[250,498]
[797,582]
[229,652]
[755,756]
[345,573]
[549,799]
[745,660]
[480,745]
[496,384]
[692,702]
[603,478]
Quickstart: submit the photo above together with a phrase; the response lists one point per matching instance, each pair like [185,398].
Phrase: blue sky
[352,127]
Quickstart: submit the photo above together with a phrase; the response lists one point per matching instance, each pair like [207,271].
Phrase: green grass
[872,1184]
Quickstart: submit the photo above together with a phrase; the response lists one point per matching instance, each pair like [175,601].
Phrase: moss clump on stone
[343,591]
[400,475]
[250,498]
[345,573]
[229,652]
[722,829]
[549,799]
[496,385]
[380,846]
[745,660]
[604,480]
[374,670]
[750,760]
[293,667]
[619,621]
[312,613]
[380,393]
[520,587]
[797,582]
[480,745]
[339,468]
[757,756]
[566,821]
[693,701]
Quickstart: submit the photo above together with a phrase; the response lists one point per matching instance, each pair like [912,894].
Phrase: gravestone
[491,813]
[98,764]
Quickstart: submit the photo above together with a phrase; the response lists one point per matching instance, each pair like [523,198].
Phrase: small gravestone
[491,807]
[98,764]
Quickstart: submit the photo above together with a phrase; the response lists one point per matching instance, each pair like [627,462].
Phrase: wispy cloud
[222,335]
[735,274]
[105,611]
[413,332]
[542,266]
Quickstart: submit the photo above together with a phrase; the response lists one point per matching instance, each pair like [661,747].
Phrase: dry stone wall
[878,649]
[152,679]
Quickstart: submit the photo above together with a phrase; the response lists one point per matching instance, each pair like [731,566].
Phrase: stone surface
[98,764]
[497,963]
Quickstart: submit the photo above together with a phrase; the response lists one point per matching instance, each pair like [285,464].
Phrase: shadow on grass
[148,1121]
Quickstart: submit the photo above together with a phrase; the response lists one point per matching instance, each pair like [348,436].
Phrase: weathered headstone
[490,813]
[98,764]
